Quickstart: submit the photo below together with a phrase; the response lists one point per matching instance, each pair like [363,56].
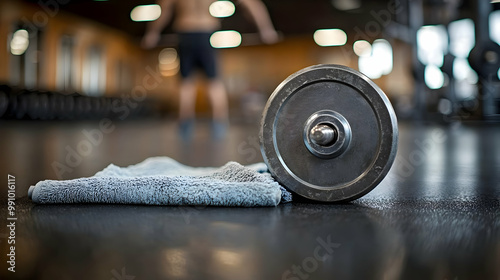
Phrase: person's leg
[207,58]
[187,90]
[218,100]
[187,99]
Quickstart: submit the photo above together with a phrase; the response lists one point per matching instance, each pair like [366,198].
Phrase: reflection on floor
[435,216]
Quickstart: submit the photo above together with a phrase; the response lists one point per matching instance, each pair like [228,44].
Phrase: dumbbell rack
[22,104]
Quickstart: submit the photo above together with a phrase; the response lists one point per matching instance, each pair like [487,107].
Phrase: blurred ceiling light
[345,5]
[445,106]
[330,37]
[167,56]
[382,51]
[379,61]
[145,12]
[225,39]
[222,9]
[433,77]
[368,66]
[462,37]
[432,44]
[20,42]
[465,90]
[168,62]
[362,48]
[495,26]
[463,71]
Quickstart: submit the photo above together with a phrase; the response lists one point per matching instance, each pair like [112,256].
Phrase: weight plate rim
[383,160]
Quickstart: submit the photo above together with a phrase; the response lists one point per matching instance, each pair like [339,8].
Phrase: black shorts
[195,51]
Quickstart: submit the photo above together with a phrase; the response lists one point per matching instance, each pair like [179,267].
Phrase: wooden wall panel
[245,68]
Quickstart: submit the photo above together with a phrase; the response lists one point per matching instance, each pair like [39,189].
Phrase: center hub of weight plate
[328,133]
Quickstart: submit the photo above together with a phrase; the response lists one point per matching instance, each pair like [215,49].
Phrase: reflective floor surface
[435,216]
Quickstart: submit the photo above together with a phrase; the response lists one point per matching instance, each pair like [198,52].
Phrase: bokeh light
[221,9]
[20,42]
[330,37]
[225,39]
[146,12]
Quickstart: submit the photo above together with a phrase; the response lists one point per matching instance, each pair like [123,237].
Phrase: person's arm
[260,15]
[154,28]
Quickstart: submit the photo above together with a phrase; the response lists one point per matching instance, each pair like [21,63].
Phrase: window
[94,72]
[65,64]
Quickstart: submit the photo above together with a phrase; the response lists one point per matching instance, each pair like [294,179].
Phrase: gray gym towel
[164,181]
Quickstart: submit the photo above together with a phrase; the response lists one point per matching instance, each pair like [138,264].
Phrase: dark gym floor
[435,216]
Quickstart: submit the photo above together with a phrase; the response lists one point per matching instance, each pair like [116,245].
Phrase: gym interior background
[69,68]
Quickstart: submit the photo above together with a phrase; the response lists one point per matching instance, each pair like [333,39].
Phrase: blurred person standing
[195,25]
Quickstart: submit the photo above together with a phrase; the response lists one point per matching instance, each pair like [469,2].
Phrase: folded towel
[164,181]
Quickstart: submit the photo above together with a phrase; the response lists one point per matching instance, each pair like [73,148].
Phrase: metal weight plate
[22,105]
[4,103]
[44,108]
[328,133]
[33,105]
[485,59]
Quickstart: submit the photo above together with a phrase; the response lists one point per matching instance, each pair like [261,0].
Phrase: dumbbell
[4,103]
[328,133]
[22,105]
[54,110]
[44,109]
[485,60]
[68,107]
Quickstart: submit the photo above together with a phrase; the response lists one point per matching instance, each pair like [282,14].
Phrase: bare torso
[194,16]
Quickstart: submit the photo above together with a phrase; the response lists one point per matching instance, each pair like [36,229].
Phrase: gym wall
[248,68]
